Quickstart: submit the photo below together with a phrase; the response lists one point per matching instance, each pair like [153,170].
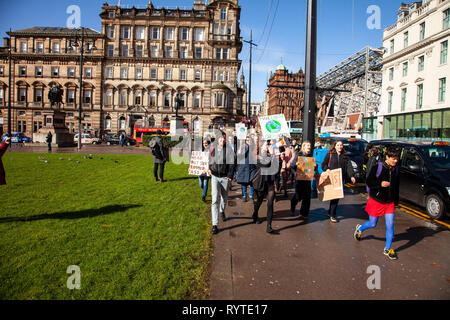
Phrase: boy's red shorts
[377,209]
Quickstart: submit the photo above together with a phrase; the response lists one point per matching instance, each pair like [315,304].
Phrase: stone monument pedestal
[176,127]
[55,123]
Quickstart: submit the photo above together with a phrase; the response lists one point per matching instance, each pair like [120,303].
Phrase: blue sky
[278,28]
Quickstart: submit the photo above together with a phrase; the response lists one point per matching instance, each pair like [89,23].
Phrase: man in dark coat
[49,141]
[3,148]
[160,155]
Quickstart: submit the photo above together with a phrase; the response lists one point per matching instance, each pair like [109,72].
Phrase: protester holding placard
[302,187]
[336,159]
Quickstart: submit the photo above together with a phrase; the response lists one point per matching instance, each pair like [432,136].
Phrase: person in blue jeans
[203,179]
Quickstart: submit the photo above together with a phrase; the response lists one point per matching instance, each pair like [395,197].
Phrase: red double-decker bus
[140,132]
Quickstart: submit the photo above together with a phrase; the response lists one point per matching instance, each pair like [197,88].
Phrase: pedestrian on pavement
[286,160]
[383,183]
[221,169]
[302,187]
[246,168]
[49,139]
[204,178]
[121,139]
[160,155]
[294,149]
[264,184]
[335,159]
[5,144]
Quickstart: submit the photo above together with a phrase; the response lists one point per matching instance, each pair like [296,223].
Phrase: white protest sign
[241,131]
[274,127]
[199,163]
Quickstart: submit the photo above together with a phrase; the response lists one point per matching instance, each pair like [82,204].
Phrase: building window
[444,52]
[2,70]
[70,96]
[154,53]
[122,123]
[220,100]
[38,71]
[198,52]
[108,98]
[170,33]
[23,47]
[166,99]
[108,123]
[56,47]
[181,100]
[22,94]
[168,51]
[125,33]
[55,71]
[22,71]
[225,53]
[40,47]
[111,32]
[419,96]
[405,39]
[421,63]
[111,14]
[199,34]
[184,33]
[36,126]
[223,13]
[446,21]
[198,75]
[123,98]
[422,31]
[392,46]
[218,53]
[71,72]
[87,96]
[155,33]
[139,51]
[123,73]
[152,99]
[151,122]
[183,53]
[140,33]
[2,93]
[168,74]
[138,73]
[405,69]
[109,73]
[442,89]
[182,74]
[88,72]
[404,93]
[138,98]
[153,74]
[110,50]
[37,95]
[197,97]
[125,50]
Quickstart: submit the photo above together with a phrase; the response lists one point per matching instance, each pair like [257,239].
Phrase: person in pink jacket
[3,148]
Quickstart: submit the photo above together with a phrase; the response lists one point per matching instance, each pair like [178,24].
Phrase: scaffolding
[350,89]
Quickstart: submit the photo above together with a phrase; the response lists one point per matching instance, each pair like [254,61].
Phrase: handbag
[257,181]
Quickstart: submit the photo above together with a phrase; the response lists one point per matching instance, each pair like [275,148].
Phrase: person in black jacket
[336,159]
[302,188]
[221,170]
[383,183]
[264,184]
[160,156]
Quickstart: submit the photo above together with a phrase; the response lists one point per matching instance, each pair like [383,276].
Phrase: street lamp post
[80,99]
[10,85]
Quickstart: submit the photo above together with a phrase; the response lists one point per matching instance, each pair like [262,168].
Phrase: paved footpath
[320,260]
[85,149]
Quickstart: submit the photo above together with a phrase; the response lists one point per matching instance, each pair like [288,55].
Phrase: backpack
[154,147]
[370,163]
[379,170]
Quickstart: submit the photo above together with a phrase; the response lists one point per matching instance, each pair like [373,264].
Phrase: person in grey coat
[247,167]
[160,155]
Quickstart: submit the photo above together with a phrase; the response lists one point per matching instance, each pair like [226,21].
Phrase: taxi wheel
[435,206]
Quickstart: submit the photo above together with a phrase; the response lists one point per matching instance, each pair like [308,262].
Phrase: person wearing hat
[160,155]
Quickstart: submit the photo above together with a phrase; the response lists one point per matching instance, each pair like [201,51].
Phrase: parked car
[19,137]
[354,149]
[87,138]
[111,139]
[424,173]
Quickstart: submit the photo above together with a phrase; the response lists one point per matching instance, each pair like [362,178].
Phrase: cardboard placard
[330,186]
[198,164]
[241,131]
[305,168]
[274,127]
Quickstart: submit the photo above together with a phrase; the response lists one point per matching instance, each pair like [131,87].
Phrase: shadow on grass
[89,213]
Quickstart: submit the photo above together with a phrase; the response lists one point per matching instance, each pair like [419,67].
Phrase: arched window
[108,123]
[151,122]
[122,123]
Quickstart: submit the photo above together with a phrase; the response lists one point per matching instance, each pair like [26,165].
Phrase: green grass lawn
[132,238]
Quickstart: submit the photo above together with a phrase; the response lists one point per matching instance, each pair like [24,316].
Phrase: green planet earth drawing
[273,126]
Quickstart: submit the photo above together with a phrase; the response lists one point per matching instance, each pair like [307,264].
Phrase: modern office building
[415,103]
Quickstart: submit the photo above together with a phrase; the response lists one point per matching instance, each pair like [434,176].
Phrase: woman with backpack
[383,184]
[336,159]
